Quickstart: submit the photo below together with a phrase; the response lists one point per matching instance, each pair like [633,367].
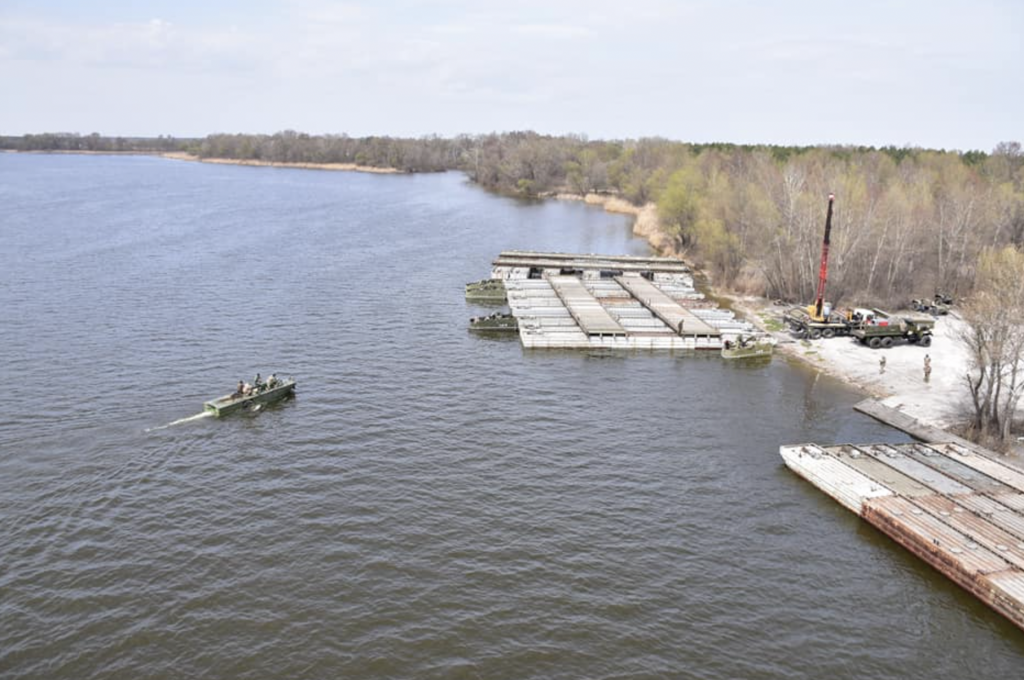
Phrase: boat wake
[179,421]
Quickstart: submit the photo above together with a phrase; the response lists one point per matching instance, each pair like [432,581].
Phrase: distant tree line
[70,141]
[908,222]
[426,154]
[905,226]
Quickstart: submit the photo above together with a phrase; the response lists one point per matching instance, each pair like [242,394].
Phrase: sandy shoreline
[941,401]
[645,224]
[81,152]
[182,156]
[901,385]
[348,167]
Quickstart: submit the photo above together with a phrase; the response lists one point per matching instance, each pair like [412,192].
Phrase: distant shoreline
[182,156]
[82,152]
[348,167]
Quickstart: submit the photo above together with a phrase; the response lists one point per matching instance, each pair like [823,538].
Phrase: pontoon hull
[230,404]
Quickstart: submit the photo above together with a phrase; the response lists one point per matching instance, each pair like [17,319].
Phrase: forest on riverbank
[908,222]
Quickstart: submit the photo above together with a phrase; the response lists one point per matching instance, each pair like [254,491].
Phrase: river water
[432,504]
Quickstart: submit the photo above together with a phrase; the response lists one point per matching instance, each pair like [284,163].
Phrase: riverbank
[941,400]
[349,167]
[645,223]
[901,382]
[82,152]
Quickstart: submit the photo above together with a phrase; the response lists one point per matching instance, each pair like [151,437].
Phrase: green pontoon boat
[748,347]
[256,399]
[488,290]
[499,321]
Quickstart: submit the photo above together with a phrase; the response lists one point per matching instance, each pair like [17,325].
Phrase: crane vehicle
[820,320]
[819,300]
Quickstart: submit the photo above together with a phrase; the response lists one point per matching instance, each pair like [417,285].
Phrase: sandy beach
[349,167]
[900,384]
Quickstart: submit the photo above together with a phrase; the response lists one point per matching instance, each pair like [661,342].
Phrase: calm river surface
[433,504]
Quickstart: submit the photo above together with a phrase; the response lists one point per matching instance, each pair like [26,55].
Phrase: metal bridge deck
[624,263]
[675,316]
[584,308]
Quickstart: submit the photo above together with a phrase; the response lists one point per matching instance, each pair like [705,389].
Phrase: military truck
[884,333]
[936,307]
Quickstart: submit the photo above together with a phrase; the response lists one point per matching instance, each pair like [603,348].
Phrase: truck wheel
[925,341]
[828,333]
[886,343]
[875,343]
[814,333]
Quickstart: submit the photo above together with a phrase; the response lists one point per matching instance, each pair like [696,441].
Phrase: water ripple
[431,504]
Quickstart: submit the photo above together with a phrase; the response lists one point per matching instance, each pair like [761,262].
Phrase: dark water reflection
[432,504]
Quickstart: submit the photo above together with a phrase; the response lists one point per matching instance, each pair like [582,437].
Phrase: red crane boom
[819,299]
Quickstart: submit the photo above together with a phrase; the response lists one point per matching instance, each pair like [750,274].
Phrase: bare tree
[994,336]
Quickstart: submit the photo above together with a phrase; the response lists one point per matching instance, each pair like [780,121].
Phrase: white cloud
[697,69]
[151,45]
[554,30]
[327,13]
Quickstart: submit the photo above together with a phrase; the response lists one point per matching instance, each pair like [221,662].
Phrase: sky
[942,74]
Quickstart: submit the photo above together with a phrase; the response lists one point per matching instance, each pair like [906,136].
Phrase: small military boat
[748,346]
[488,290]
[498,321]
[258,397]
